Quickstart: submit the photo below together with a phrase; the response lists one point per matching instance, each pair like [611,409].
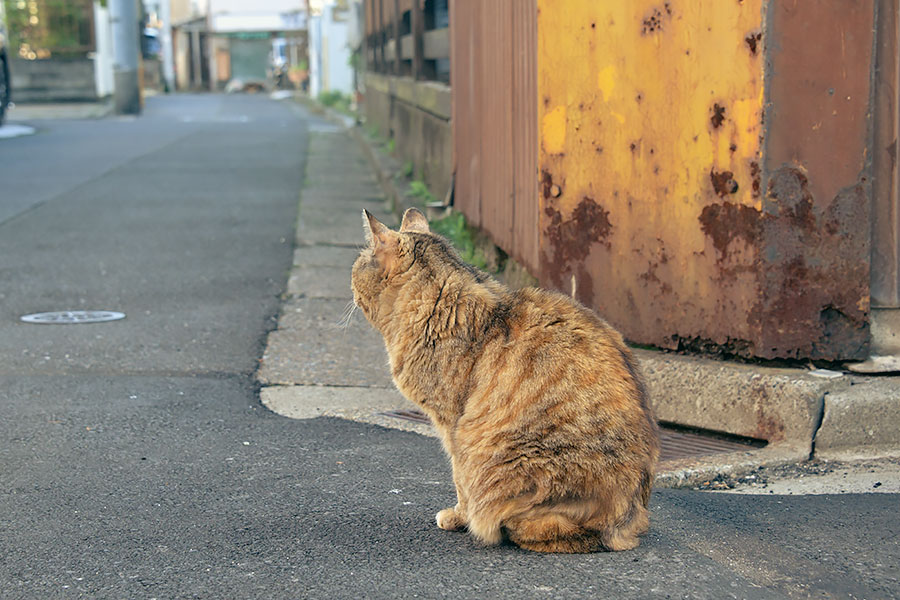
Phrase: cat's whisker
[347,316]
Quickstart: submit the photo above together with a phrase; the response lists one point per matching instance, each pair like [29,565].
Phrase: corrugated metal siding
[465,82]
[494,82]
[525,135]
[496,126]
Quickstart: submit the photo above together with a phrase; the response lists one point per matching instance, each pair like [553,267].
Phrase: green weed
[336,100]
[418,189]
[454,228]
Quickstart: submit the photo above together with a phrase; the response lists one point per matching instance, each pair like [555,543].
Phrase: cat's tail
[553,532]
[485,529]
[614,524]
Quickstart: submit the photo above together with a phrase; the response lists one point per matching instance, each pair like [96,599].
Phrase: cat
[538,402]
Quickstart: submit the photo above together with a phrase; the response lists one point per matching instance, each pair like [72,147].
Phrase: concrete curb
[800,413]
[860,420]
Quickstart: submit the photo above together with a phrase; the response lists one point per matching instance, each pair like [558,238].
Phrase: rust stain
[727,222]
[571,240]
[718,115]
[797,207]
[755,175]
[768,427]
[811,265]
[654,21]
[546,184]
[814,270]
[752,40]
[584,285]
[723,183]
[729,348]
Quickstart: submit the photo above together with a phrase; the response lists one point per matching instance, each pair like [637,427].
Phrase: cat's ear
[377,233]
[414,220]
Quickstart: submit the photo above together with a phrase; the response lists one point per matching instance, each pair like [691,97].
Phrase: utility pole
[168,63]
[124,20]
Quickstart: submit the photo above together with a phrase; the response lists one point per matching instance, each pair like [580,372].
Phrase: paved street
[136,460]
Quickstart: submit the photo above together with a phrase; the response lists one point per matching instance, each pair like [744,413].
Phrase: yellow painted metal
[651,111]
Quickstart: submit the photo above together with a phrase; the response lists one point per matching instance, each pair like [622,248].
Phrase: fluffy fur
[538,402]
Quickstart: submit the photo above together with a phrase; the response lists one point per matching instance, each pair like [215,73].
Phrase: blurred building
[255,43]
[331,28]
[190,40]
[60,50]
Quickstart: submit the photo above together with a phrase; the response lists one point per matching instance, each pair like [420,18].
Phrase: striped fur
[538,401]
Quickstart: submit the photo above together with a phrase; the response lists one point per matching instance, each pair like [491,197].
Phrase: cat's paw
[449,519]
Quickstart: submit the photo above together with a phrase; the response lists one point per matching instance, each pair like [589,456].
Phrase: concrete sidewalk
[323,360]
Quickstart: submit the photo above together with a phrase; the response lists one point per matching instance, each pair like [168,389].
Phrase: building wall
[329,54]
[53,80]
[103,57]
[186,10]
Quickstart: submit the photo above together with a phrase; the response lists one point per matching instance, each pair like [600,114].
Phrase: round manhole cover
[73,316]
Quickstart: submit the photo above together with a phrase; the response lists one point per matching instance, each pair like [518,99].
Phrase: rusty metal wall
[704,170]
[814,229]
[465,83]
[885,167]
[650,126]
[525,135]
[494,82]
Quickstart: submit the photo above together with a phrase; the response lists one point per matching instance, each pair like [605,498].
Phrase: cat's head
[392,258]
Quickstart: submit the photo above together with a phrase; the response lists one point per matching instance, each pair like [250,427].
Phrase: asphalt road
[137,462]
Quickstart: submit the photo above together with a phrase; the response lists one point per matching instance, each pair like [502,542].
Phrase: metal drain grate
[674,443]
[408,415]
[685,444]
[64,317]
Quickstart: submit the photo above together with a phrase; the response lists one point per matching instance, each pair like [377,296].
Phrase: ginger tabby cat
[538,402]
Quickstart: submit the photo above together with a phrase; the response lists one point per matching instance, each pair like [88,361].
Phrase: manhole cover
[63,317]
[674,443]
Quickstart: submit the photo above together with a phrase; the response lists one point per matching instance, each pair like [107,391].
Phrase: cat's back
[560,388]
[554,351]
[564,326]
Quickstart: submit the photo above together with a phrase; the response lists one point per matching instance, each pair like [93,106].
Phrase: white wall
[329,60]
[104,81]
[259,15]
[255,6]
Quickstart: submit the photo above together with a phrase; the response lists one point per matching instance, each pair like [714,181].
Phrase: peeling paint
[606,81]
[553,130]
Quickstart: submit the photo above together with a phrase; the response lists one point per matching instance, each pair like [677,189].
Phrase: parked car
[5,85]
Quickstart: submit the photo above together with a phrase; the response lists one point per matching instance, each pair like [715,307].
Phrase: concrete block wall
[53,80]
[416,115]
